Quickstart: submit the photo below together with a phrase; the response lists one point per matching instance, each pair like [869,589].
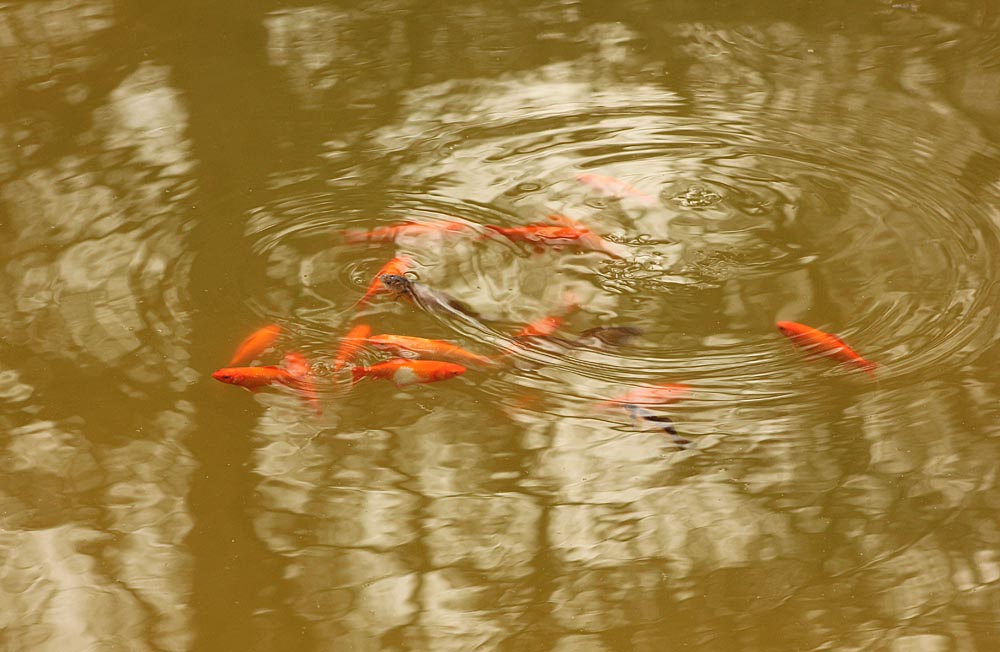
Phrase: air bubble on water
[697,197]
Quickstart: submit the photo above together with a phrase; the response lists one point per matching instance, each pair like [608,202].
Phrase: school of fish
[418,360]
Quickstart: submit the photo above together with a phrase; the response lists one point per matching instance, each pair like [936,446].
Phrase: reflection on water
[835,166]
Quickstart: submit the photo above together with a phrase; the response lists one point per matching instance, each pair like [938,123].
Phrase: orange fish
[564,232]
[611,187]
[253,378]
[588,239]
[552,234]
[427,348]
[408,372]
[662,394]
[391,233]
[542,328]
[303,379]
[817,342]
[395,266]
[255,344]
[350,345]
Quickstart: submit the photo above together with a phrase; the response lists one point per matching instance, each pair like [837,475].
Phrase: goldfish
[541,233]
[303,379]
[564,232]
[662,394]
[408,372]
[253,378]
[397,265]
[428,298]
[611,187]
[391,233]
[542,328]
[255,344]
[427,348]
[350,345]
[296,375]
[817,342]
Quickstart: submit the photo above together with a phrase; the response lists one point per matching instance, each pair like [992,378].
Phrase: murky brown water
[173,177]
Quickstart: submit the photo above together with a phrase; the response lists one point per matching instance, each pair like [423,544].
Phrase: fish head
[226,376]
[448,370]
[397,283]
[788,328]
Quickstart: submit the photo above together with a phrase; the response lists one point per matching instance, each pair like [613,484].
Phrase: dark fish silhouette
[610,335]
[665,423]
[426,297]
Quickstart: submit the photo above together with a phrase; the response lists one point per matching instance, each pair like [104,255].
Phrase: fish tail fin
[868,367]
[355,237]
[363,301]
[357,373]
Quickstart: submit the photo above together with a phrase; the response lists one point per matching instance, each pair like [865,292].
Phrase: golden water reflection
[173,177]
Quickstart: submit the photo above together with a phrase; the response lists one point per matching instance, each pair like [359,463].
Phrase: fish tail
[364,300]
[868,367]
[355,237]
[357,373]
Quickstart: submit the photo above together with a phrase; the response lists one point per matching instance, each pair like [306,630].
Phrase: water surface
[174,177]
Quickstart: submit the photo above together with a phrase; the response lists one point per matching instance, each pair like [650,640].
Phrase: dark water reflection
[173,177]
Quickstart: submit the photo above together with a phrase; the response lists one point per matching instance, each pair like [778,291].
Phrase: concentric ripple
[727,221]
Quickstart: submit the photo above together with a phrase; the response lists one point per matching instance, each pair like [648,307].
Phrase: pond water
[175,176]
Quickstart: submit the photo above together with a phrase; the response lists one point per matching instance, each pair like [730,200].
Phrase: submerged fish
[255,344]
[397,265]
[817,342]
[408,372]
[564,233]
[611,187]
[662,394]
[350,345]
[297,375]
[391,233]
[610,335]
[427,348]
[542,328]
[541,233]
[426,297]
[664,423]
[254,378]
[303,379]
